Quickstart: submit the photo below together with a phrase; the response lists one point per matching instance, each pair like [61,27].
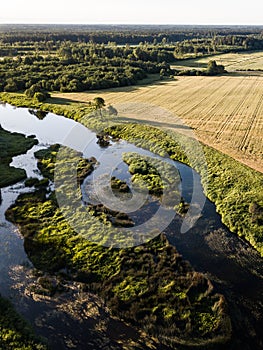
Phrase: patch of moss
[118,185]
[153,174]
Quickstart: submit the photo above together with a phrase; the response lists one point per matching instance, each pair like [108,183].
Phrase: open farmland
[231,61]
[226,112]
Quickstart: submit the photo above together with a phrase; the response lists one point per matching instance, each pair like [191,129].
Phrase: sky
[133,11]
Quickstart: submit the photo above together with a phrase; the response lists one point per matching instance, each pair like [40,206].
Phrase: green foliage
[118,185]
[99,102]
[214,69]
[79,67]
[236,191]
[145,136]
[15,333]
[153,174]
[40,96]
[37,92]
[12,144]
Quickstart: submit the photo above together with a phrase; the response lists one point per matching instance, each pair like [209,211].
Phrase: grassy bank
[235,188]
[11,145]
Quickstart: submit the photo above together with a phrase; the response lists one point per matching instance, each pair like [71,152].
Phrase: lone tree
[213,68]
[36,92]
[99,103]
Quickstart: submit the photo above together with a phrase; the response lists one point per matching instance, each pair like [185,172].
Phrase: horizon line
[135,24]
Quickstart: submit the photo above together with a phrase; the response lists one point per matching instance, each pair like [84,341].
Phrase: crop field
[224,112]
[231,61]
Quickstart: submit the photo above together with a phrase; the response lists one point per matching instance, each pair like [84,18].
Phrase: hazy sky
[133,11]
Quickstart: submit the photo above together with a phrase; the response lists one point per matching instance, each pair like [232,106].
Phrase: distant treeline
[120,34]
[79,58]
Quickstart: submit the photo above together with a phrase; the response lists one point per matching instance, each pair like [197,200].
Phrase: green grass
[156,176]
[12,144]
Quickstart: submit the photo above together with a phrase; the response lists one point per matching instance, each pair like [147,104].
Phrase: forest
[68,60]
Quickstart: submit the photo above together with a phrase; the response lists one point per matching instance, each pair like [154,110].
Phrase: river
[233,266]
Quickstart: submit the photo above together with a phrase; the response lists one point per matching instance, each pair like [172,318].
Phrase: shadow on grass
[61,101]
[159,124]
[192,64]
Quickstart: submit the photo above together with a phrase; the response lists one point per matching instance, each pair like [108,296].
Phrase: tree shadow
[159,124]
[62,101]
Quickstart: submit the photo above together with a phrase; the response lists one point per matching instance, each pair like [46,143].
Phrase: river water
[233,266]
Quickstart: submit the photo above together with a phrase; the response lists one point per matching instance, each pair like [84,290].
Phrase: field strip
[206,97]
[184,97]
[208,110]
[239,119]
[251,121]
[228,120]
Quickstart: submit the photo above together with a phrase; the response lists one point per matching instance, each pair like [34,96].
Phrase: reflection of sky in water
[52,129]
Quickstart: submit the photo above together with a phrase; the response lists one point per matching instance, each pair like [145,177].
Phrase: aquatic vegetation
[15,333]
[118,185]
[156,175]
[232,186]
[149,286]
[12,144]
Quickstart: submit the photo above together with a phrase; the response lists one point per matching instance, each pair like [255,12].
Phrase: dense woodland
[69,59]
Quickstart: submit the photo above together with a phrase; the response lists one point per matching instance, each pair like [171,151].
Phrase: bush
[39,96]
[36,92]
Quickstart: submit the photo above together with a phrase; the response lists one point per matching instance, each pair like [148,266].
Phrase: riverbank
[11,145]
[235,188]
[15,333]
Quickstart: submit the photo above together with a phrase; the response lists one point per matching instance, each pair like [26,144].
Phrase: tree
[40,96]
[35,91]
[214,69]
[11,85]
[32,90]
[99,103]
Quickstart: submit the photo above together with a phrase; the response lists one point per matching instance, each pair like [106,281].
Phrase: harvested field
[231,61]
[225,112]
